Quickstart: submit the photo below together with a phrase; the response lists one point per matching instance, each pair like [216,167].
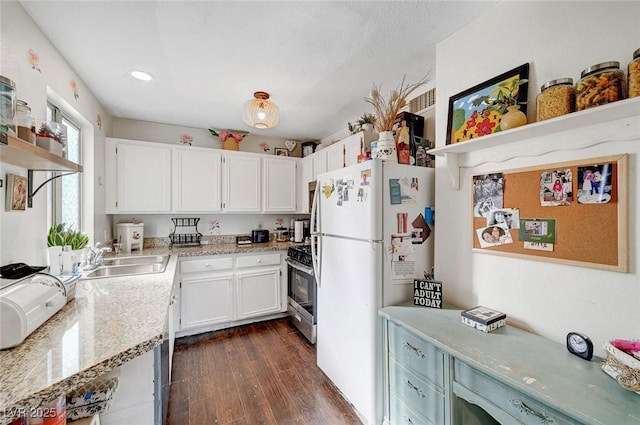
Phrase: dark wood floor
[263,373]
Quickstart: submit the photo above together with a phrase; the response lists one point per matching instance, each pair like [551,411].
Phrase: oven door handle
[298,266]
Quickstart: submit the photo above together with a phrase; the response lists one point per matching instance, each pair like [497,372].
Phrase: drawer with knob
[258,260]
[416,354]
[206,265]
[417,394]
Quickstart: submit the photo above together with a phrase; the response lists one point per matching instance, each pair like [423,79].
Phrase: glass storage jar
[600,84]
[25,122]
[7,105]
[634,75]
[557,97]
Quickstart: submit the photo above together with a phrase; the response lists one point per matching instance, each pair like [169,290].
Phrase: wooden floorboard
[259,374]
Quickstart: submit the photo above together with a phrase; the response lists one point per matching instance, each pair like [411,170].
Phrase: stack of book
[484,319]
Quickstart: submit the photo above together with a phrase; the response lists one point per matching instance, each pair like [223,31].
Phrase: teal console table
[439,371]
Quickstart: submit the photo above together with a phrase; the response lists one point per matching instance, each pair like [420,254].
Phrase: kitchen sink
[129,266]
[144,259]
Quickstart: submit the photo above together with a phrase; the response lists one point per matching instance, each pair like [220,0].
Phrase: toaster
[260,236]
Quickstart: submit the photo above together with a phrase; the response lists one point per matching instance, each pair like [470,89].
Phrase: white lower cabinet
[258,293]
[228,290]
[133,401]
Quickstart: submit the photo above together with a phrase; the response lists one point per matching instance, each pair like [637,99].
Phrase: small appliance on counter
[243,240]
[130,235]
[26,303]
[260,236]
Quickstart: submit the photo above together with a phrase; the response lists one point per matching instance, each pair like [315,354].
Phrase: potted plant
[57,238]
[51,136]
[365,123]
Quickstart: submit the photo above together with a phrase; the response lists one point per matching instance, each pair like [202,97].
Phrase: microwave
[312,192]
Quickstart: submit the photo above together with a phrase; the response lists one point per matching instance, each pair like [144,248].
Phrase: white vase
[386,147]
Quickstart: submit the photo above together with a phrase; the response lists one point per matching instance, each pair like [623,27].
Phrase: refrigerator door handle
[316,241]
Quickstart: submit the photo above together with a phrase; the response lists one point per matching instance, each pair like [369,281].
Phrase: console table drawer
[401,414]
[416,354]
[507,400]
[417,393]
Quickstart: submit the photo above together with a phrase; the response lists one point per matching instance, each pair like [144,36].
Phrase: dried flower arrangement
[387,109]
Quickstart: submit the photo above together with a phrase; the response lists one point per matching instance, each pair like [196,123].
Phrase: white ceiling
[317,59]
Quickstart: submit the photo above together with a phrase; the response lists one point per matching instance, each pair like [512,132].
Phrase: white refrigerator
[369,241]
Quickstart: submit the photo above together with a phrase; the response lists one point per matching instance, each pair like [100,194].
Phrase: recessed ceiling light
[141,75]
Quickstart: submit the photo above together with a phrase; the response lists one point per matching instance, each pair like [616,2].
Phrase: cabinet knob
[258,261]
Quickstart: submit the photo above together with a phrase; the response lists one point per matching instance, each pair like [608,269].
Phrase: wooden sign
[427,293]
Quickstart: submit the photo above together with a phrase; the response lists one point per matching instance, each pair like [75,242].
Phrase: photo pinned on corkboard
[594,184]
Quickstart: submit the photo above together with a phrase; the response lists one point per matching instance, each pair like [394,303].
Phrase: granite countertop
[110,321]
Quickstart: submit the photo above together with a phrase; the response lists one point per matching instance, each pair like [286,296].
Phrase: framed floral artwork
[478,111]
[16,199]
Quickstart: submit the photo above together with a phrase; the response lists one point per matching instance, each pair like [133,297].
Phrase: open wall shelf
[27,155]
[590,127]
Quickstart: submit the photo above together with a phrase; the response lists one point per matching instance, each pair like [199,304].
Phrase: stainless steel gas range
[302,291]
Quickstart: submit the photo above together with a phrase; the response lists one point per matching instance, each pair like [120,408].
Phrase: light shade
[260,112]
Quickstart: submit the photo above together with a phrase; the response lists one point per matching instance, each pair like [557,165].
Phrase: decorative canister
[386,147]
[634,75]
[557,97]
[25,122]
[7,105]
[600,84]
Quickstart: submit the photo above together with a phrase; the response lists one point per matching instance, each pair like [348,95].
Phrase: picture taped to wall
[595,184]
[494,235]
[504,216]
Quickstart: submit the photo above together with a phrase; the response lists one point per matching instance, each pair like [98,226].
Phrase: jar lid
[556,82]
[603,65]
[7,81]
[636,54]
[22,104]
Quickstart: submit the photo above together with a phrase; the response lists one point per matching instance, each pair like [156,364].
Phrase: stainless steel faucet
[96,256]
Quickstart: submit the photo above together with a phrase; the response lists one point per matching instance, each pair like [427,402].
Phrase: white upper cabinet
[353,146]
[197,180]
[319,163]
[141,176]
[279,179]
[306,176]
[335,156]
[242,182]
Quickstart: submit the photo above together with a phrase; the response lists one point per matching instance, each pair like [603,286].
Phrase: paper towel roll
[298,231]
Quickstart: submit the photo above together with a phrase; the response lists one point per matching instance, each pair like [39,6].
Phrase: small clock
[580,345]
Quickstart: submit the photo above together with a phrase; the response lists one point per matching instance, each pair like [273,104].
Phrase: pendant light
[260,112]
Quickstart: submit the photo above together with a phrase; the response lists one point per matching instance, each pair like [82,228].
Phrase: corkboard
[591,235]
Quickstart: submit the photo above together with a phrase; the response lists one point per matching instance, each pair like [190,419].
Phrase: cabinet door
[279,180]
[143,175]
[306,176]
[206,300]
[319,163]
[197,180]
[353,146]
[258,292]
[335,156]
[242,183]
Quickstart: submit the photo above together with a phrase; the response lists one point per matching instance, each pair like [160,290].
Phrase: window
[67,190]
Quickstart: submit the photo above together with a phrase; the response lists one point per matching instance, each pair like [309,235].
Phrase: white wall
[160,225]
[558,39]
[23,234]
[171,134]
